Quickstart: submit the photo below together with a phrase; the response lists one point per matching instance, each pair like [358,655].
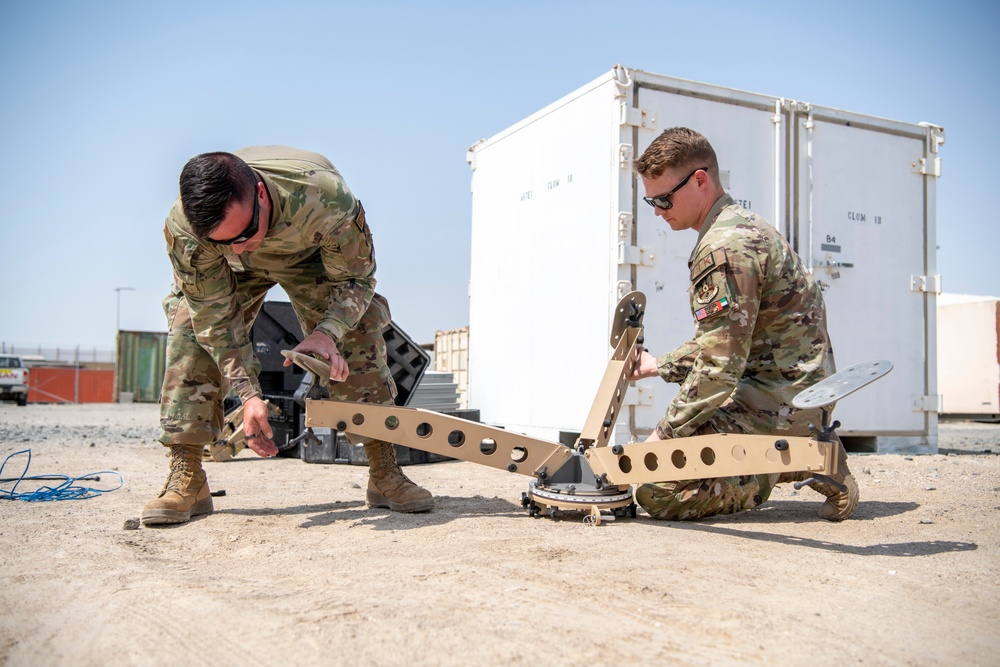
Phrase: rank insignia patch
[713,308]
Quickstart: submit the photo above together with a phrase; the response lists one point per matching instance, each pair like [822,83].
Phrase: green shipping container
[140,365]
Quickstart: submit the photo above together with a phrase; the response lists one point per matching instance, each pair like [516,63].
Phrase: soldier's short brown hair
[676,147]
[209,183]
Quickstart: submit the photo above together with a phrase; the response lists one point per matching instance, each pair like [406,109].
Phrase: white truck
[13,379]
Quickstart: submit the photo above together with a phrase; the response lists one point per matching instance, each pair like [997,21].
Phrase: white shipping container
[969,356]
[560,233]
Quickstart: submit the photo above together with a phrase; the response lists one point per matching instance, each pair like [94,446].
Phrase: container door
[541,265]
[866,240]
[743,138]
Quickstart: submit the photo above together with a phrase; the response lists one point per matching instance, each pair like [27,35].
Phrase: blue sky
[101,103]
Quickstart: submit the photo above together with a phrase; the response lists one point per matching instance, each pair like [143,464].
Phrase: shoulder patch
[359,220]
[712,308]
[707,262]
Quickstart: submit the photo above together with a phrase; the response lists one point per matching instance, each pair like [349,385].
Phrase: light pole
[118,311]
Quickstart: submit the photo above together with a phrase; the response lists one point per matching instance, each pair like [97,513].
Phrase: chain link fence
[67,355]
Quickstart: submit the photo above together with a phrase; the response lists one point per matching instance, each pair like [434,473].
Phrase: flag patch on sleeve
[712,308]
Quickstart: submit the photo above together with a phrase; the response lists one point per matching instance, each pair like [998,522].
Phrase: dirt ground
[293,568]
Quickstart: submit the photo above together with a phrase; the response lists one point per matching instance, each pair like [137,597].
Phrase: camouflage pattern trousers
[699,498]
[191,411]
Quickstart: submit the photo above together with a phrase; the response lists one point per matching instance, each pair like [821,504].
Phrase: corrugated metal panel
[436,391]
[451,355]
[141,364]
[70,385]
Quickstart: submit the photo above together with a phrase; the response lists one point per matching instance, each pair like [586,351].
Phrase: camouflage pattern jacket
[760,332]
[314,219]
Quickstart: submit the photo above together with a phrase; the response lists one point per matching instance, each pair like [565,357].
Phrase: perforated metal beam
[703,456]
[610,395]
[440,434]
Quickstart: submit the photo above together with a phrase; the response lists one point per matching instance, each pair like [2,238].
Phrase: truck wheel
[22,399]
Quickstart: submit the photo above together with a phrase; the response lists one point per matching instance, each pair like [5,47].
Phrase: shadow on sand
[357,512]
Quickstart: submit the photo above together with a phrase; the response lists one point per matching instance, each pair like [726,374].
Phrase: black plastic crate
[285,426]
[407,362]
[275,329]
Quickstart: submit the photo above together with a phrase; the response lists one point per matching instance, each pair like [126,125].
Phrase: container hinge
[625,153]
[625,224]
[926,166]
[935,136]
[470,154]
[638,396]
[925,284]
[629,115]
[630,254]
[623,79]
[928,403]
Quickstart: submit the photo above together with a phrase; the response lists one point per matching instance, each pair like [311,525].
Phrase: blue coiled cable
[67,490]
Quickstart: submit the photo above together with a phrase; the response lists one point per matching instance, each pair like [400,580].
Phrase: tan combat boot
[839,505]
[388,486]
[186,492]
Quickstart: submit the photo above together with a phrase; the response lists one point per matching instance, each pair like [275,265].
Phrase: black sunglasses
[252,228]
[663,201]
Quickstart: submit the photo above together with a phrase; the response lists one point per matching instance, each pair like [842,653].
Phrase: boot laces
[387,456]
[179,467]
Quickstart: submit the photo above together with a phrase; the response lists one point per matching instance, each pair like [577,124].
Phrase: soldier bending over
[243,223]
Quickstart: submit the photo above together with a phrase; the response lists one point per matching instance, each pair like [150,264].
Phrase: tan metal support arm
[703,456]
[440,434]
[608,401]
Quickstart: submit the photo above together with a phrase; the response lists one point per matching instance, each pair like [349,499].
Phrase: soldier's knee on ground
[656,504]
[697,499]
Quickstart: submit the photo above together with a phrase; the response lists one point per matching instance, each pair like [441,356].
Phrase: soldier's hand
[257,429]
[646,366]
[319,345]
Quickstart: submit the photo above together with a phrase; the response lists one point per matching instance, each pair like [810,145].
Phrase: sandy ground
[293,568]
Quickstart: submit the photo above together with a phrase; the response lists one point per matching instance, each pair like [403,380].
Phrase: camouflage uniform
[318,248]
[760,339]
